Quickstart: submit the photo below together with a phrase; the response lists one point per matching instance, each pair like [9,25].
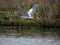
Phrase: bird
[29,13]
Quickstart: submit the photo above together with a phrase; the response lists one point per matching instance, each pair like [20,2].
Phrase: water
[12,40]
[13,36]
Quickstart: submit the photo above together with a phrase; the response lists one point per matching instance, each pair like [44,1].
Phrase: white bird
[29,13]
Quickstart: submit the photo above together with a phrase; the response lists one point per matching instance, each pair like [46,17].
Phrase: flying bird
[29,13]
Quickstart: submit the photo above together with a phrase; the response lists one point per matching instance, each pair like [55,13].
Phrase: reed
[46,14]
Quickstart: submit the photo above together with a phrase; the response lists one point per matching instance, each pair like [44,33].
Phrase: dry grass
[48,11]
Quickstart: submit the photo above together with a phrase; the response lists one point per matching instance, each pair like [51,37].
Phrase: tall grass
[46,14]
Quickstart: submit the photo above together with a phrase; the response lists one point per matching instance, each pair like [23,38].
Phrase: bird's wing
[32,10]
[22,11]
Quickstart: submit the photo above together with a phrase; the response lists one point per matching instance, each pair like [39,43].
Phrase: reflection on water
[33,36]
[28,41]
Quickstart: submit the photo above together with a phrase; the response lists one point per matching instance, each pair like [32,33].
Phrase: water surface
[18,36]
[12,40]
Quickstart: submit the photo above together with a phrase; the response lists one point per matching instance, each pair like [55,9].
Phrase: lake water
[29,37]
[13,40]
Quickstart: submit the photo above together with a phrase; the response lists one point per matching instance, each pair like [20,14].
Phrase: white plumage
[29,13]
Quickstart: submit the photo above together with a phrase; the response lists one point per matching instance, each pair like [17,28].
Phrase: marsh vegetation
[46,16]
[48,12]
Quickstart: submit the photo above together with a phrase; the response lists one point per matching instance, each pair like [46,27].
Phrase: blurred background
[47,16]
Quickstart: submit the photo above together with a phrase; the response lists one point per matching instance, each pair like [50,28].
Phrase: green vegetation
[8,9]
[46,15]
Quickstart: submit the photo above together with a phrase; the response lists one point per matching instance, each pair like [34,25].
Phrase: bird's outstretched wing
[22,11]
[32,10]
